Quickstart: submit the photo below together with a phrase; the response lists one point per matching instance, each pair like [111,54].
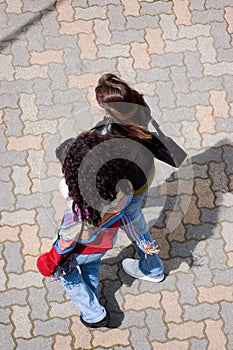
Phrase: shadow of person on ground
[196,213]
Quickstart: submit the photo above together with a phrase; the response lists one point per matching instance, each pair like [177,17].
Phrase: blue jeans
[82,286]
[151,265]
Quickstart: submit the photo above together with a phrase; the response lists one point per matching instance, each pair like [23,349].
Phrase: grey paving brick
[225,54]
[126,37]
[39,305]
[9,101]
[221,38]
[56,110]
[226,312]
[69,96]
[29,7]
[13,297]
[16,87]
[154,74]
[145,21]
[224,277]
[218,176]
[192,99]
[72,61]
[6,336]
[5,315]
[156,325]
[13,257]
[63,42]
[102,32]
[24,280]
[43,92]
[203,231]
[3,138]
[102,2]
[179,114]
[227,155]
[52,326]
[165,94]
[201,312]
[209,215]
[97,66]
[138,339]
[230,340]
[156,8]
[35,38]
[202,272]
[3,15]
[33,201]
[211,154]
[228,83]
[216,253]
[207,50]
[223,124]
[188,292]
[168,284]
[179,79]
[207,16]
[35,343]
[133,318]
[183,249]
[217,5]
[20,53]
[50,24]
[167,60]
[13,158]
[206,84]
[168,26]
[55,292]
[193,64]
[194,31]
[116,17]
[197,5]
[46,224]
[57,76]
[82,3]
[200,344]
[5,174]
[200,170]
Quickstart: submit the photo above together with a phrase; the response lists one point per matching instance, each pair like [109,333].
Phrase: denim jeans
[81,284]
[150,265]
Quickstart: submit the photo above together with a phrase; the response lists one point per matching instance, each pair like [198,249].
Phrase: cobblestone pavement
[179,53]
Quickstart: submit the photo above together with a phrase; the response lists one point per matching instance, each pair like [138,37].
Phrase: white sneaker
[131,267]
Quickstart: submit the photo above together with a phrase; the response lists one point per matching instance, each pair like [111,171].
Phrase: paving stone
[201,312]
[206,84]
[7,70]
[91,12]
[35,71]
[62,43]
[13,257]
[145,21]
[203,231]
[200,344]
[215,333]
[17,86]
[185,330]
[194,31]
[20,53]
[188,295]
[57,76]
[156,325]
[168,26]
[5,315]
[168,60]
[18,296]
[221,37]
[207,16]
[22,329]
[133,318]
[7,199]
[116,17]
[132,35]
[193,64]
[216,5]
[126,69]
[21,180]
[226,312]
[202,272]
[50,327]
[218,69]
[18,217]
[181,45]
[154,74]
[55,292]
[6,336]
[43,92]
[35,343]
[218,177]
[9,101]
[225,278]
[138,339]
[102,32]
[3,277]
[49,24]
[156,8]
[218,101]
[179,79]
[227,155]
[25,280]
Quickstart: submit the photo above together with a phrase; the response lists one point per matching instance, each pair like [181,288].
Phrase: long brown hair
[123,104]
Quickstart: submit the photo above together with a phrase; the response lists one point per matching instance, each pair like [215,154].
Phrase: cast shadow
[15,34]
[191,212]
[198,212]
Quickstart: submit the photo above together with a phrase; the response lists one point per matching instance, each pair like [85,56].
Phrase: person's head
[120,101]
[93,164]
[62,149]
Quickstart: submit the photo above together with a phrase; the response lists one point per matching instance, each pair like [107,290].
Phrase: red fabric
[47,263]
[102,243]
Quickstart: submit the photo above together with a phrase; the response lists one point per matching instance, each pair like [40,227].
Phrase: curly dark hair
[94,168]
